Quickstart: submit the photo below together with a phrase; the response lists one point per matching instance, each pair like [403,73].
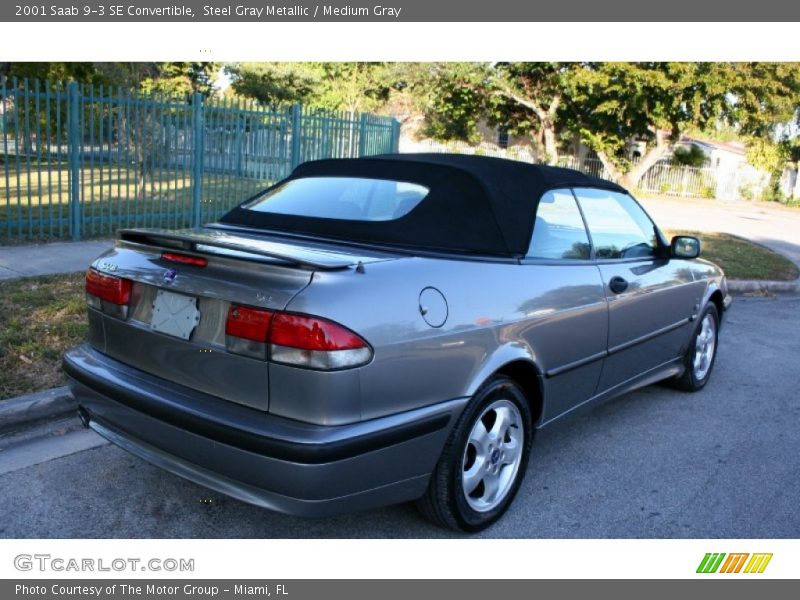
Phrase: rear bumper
[277,463]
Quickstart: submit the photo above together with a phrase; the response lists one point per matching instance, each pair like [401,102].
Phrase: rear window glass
[347,198]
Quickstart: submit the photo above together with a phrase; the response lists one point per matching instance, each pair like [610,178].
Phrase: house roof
[475,204]
[732,147]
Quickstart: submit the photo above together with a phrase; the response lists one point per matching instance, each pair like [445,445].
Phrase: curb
[23,411]
[754,285]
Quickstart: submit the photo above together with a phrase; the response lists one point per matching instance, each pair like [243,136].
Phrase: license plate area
[174,314]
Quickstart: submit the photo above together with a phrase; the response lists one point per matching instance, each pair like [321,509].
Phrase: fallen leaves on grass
[40,318]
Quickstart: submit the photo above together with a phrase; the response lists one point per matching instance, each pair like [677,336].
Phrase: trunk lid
[241,268]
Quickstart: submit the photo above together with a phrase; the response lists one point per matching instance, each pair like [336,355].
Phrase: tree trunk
[631,179]
[550,144]
[614,171]
[142,171]
[546,118]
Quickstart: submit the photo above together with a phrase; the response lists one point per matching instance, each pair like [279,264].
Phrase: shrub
[690,157]
[708,191]
[746,192]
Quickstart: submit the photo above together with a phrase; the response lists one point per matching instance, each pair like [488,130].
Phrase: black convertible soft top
[476,204]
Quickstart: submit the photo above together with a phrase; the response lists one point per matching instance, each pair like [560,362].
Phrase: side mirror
[684,246]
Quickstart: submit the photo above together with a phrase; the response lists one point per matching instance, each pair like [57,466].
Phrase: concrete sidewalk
[45,259]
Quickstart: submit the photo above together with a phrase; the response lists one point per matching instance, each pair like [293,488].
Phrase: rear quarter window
[558,230]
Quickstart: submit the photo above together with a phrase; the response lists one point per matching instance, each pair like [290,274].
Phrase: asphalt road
[724,463]
[765,223]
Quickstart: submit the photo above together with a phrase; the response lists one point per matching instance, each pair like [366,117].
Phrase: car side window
[559,231]
[619,227]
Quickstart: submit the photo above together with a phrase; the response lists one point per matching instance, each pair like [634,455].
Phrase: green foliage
[759,95]
[53,71]
[612,103]
[766,155]
[350,86]
[691,156]
[708,191]
[272,83]
[179,78]
[456,100]
[772,192]
[606,104]
[538,85]
[609,104]
[166,77]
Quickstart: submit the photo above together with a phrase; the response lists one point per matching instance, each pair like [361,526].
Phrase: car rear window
[346,198]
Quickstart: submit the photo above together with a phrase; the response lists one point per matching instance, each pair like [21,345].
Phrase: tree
[522,98]
[690,157]
[177,78]
[271,84]
[51,71]
[167,77]
[455,99]
[350,86]
[614,104]
[528,96]
[771,157]
[761,96]
[354,87]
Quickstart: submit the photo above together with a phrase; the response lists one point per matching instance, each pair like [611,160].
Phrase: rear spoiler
[196,240]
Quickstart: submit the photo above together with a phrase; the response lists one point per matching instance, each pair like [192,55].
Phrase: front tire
[702,352]
[483,461]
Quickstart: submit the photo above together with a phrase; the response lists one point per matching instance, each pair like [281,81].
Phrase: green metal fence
[81,160]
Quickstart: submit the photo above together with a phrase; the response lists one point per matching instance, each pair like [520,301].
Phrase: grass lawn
[40,318]
[741,259]
[36,205]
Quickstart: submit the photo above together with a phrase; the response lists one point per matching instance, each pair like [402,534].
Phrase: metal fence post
[240,123]
[198,135]
[395,135]
[142,149]
[73,158]
[297,134]
[362,135]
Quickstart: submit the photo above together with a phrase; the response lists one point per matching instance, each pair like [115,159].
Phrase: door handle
[617,284]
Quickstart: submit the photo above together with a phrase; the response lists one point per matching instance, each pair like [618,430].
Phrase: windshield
[346,198]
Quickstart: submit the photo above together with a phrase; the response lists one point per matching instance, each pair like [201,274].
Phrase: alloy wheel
[492,455]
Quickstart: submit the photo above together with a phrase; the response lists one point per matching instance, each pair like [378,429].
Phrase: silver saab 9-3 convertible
[378,330]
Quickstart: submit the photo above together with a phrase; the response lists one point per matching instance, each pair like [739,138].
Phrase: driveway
[768,224]
[724,463]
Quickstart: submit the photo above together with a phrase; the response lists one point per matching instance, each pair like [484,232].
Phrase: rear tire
[701,354]
[483,461]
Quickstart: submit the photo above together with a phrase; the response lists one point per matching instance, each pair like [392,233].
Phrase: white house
[722,156]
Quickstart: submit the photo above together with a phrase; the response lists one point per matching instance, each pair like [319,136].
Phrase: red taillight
[184,259]
[108,288]
[248,323]
[311,333]
[296,340]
